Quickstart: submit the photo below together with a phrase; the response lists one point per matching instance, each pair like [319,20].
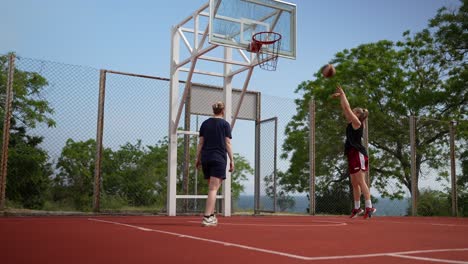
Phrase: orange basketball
[328,71]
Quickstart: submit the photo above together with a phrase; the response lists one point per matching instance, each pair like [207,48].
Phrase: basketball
[328,71]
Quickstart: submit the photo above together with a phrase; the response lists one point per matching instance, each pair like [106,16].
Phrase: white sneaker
[210,221]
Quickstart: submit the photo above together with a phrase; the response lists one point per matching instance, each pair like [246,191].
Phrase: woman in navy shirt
[214,144]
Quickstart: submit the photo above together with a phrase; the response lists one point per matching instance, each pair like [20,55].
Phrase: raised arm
[347,111]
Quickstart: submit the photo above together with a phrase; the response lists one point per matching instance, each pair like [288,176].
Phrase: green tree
[28,166]
[285,201]
[29,108]
[74,180]
[451,31]
[462,183]
[28,170]
[241,173]
[433,203]
[417,76]
[134,175]
[137,174]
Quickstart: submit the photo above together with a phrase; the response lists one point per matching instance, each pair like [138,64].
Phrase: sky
[134,36]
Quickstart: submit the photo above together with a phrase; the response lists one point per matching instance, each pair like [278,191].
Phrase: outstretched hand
[338,92]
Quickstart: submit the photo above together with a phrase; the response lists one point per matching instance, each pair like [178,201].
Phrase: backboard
[234,22]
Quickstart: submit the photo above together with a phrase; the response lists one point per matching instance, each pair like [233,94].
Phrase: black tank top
[353,139]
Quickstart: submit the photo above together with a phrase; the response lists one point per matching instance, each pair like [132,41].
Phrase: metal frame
[453,173]
[6,130]
[258,144]
[100,130]
[312,201]
[414,181]
[198,48]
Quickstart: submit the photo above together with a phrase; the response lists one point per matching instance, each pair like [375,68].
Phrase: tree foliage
[28,170]
[133,175]
[29,108]
[424,75]
[28,166]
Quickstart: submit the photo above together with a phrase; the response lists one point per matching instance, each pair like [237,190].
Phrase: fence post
[186,173]
[452,170]
[366,145]
[312,156]
[414,181]
[6,130]
[257,158]
[100,129]
[275,166]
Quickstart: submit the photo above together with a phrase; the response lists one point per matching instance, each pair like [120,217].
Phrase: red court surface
[237,240]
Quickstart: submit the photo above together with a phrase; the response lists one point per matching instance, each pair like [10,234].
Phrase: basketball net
[266,45]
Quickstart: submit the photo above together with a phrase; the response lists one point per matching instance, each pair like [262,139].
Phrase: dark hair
[362,113]
[218,107]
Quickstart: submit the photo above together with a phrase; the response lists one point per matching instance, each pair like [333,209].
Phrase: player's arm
[201,140]
[347,111]
[229,151]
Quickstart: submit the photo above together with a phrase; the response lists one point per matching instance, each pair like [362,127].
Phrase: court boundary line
[429,259]
[284,254]
[284,225]
[203,239]
[401,222]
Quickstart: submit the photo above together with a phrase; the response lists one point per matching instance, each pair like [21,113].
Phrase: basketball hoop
[266,45]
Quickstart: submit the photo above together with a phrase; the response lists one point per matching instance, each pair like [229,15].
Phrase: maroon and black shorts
[357,161]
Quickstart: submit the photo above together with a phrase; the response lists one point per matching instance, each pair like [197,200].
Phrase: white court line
[206,240]
[284,254]
[282,225]
[415,223]
[388,254]
[446,225]
[429,259]
[424,223]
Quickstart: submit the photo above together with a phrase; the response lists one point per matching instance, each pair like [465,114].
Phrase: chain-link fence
[80,138]
[390,174]
[134,143]
[276,178]
[436,167]
[267,198]
[53,126]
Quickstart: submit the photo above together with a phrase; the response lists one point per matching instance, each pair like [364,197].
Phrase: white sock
[357,204]
[368,203]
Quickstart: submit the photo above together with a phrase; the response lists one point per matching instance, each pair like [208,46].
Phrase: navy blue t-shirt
[214,132]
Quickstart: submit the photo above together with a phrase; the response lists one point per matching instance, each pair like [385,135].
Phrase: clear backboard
[234,22]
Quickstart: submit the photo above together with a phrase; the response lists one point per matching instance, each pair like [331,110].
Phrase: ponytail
[362,113]
[218,107]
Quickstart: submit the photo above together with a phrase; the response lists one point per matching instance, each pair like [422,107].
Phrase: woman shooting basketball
[356,153]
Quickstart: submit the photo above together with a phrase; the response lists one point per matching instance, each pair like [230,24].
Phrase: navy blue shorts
[214,169]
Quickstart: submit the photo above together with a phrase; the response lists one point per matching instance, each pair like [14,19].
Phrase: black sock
[211,214]
[207,216]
